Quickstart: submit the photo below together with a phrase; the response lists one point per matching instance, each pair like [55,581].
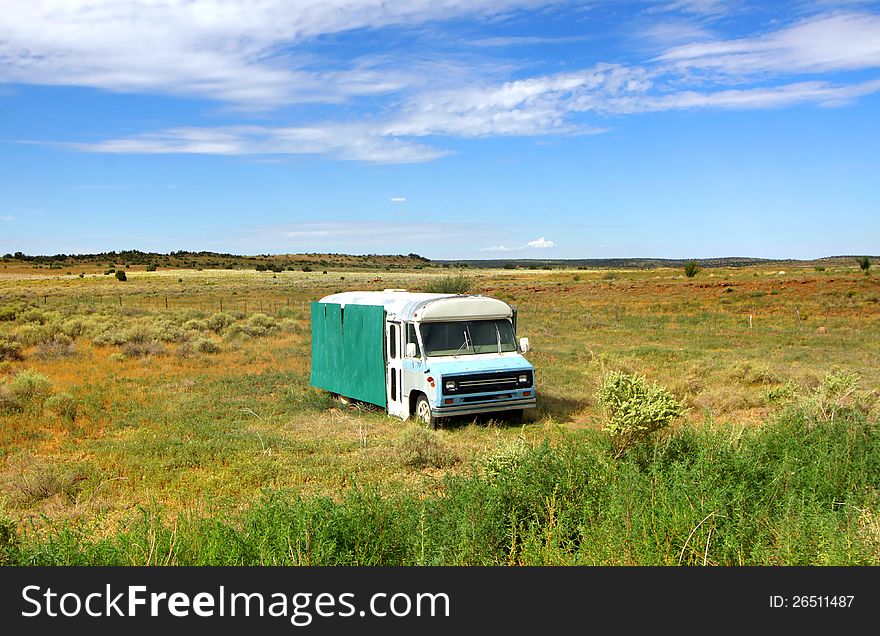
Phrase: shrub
[864,263]
[307,269]
[205,345]
[691,269]
[449,285]
[151,268]
[219,322]
[10,350]
[418,447]
[259,325]
[61,346]
[120,275]
[142,348]
[635,409]
[836,392]
[64,405]
[30,387]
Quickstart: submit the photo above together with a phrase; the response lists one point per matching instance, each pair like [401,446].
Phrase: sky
[448,128]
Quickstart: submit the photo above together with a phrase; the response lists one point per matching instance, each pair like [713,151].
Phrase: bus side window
[411,337]
[392,342]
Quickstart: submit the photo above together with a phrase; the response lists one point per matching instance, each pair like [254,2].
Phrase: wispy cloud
[526,40]
[339,141]
[363,236]
[540,244]
[251,56]
[398,199]
[7,218]
[236,52]
[814,45]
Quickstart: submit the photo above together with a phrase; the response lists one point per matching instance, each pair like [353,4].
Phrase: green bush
[836,392]
[10,350]
[418,447]
[691,269]
[260,325]
[205,345]
[120,275]
[449,285]
[64,405]
[635,409]
[219,322]
[30,387]
[864,263]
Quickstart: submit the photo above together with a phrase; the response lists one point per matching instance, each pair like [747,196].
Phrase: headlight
[450,385]
[523,379]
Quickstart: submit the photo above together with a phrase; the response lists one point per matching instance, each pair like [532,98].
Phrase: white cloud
[339,141]
[398,199]
[248,54]
[818,44]
[541,243]
[239,52]
[7,218]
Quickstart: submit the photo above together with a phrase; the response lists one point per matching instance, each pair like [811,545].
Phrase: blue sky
[450,128]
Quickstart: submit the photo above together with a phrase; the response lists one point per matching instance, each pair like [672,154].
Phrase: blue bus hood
[473,364]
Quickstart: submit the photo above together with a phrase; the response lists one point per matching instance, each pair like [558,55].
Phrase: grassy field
[168,419]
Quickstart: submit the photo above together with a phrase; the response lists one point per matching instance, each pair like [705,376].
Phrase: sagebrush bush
[418,447]
[61,346]
[10,350]
[142,348]
[205,345]
[64,405]
[30,387]
[219,322]
[837,391]
[691,269]
[8,312]
[449,285]
[260,325]
[634,408]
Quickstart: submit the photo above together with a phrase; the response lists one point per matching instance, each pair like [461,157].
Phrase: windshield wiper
[464,345]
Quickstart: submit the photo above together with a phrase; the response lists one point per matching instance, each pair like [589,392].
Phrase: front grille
[486,398]
[486,382]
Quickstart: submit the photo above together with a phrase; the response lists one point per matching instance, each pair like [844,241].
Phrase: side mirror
[524,345]
[410,351]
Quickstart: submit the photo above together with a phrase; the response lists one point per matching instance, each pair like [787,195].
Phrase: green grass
[189,434]
[792,492]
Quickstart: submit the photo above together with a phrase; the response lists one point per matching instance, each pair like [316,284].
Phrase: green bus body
[347,351]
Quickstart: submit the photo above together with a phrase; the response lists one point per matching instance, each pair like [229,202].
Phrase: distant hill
[647,263]
[135,259]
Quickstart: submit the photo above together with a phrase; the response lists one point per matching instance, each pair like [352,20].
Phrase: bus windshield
[467,337]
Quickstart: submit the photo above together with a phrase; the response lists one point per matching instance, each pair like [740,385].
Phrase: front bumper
[484,407]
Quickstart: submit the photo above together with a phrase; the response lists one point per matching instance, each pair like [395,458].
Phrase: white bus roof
[425,307]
